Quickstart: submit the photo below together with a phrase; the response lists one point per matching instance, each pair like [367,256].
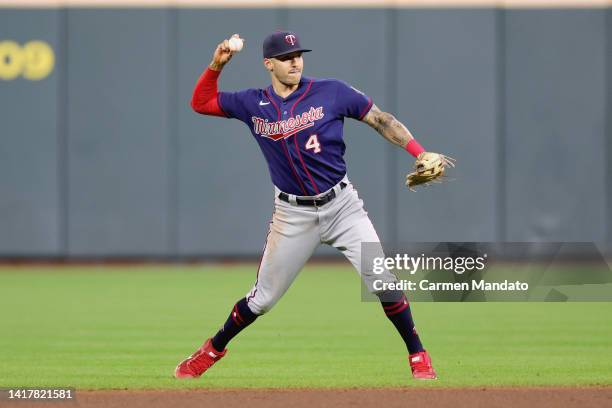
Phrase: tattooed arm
[429,167]
[388,126]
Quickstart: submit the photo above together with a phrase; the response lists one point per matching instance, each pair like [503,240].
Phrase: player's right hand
[223,53]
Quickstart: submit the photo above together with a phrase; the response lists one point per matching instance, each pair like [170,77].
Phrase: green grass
[114,327]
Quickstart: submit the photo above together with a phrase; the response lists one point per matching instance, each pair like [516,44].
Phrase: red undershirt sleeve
[205,94]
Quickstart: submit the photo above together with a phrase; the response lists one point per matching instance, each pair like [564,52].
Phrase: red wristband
[414,148]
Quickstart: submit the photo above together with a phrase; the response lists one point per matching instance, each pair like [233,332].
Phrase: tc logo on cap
[290,38]
[277,43]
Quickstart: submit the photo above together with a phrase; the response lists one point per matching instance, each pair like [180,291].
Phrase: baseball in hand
[235,44]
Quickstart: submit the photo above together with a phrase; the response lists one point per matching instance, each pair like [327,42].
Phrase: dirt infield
[387,398]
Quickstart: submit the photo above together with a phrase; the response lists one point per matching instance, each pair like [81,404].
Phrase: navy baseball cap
[281,42]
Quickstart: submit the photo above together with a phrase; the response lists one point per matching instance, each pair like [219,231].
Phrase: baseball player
[298,123]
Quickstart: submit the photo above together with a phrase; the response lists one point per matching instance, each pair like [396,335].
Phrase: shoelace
[421,365]
[201,362]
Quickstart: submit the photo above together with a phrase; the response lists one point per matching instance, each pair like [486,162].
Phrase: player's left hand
[429,168]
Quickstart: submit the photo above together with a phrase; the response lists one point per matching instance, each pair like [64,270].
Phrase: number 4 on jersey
[313,143]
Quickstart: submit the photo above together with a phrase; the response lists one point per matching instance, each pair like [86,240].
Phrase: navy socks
[398,311]
[395,306]
[240,317]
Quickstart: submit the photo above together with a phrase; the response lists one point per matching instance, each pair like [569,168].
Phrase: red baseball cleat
[420,363]
[199,362]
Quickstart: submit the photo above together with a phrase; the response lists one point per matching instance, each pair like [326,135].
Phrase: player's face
[286,68]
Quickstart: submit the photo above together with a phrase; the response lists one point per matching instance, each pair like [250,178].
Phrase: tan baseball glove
[429,168]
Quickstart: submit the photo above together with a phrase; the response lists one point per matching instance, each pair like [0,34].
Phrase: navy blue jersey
[301,136]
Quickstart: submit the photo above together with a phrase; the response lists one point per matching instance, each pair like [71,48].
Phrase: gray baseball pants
[296,231]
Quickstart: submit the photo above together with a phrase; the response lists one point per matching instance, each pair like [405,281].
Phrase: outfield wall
[102,156]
